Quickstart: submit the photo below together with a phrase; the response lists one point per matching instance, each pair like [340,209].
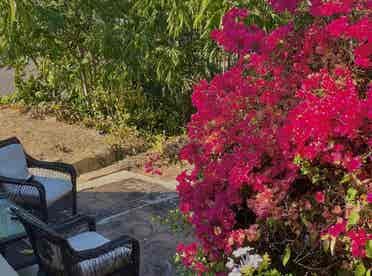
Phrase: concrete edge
[124,175]
[95,162]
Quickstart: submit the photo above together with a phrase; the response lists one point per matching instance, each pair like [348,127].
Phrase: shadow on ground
[128,207]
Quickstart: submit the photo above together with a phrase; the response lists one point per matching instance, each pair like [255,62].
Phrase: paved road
[6,81]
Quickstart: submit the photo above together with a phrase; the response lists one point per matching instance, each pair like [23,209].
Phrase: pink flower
[187,253]
[369,198]
[338,26]
[363,62]
[235,36]
[352,164]
[358,242]
[336,229]
[263,204]
[253,233]
[293,94]
[362,54]
[157,171]
[320,197]
[331,7]
[149,165]
[284,5]
[200,267]
[308,205]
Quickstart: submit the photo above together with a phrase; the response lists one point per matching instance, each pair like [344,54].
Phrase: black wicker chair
[35,184]
[84,254]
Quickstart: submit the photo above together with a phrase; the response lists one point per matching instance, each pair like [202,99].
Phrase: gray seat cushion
[87,240]
[5,268]
[102,265]
[55,189]
[13,162]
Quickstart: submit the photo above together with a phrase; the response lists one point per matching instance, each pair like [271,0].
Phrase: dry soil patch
[53,140]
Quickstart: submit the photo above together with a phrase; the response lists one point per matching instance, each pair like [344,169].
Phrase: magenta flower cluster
[286,133]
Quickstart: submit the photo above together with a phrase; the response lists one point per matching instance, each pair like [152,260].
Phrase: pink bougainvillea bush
[281,145]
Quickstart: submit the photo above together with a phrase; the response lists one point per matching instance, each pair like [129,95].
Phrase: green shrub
[126,61]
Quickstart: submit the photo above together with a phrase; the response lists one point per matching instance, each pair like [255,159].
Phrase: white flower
[235,272]
[246,261]
[242,251]
[230,264]
[253,261]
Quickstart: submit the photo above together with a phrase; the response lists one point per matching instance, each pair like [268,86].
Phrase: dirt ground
[126,206]
[53,140]
[85,148]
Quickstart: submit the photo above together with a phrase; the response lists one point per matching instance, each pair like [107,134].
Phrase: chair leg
[45,214]
[136,253]
[74,196]
[44,211]
[74,204]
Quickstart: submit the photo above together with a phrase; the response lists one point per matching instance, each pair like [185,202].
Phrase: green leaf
[353,218]
[369,249]
[345,179]
[304,220]
[343,272]
[12,5]
[297,160]
[220,266]
[351,194]
[360,270]
[326,245]
[332,246]
[286,256]
[85,60]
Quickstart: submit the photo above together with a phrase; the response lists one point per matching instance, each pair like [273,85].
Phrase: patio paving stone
[128,207]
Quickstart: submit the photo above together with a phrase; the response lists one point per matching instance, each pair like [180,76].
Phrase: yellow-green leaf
[326,245]
[286,256]
[333,245]
[12,5]
[369,249]
[353,218]
[360,270]
[351,194]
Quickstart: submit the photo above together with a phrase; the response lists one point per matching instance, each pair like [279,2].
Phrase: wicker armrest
[56,166]
[75,221]
[25,182]
[109,247]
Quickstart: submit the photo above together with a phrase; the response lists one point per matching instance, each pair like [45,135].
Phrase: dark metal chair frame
[71,257]
[44,165]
